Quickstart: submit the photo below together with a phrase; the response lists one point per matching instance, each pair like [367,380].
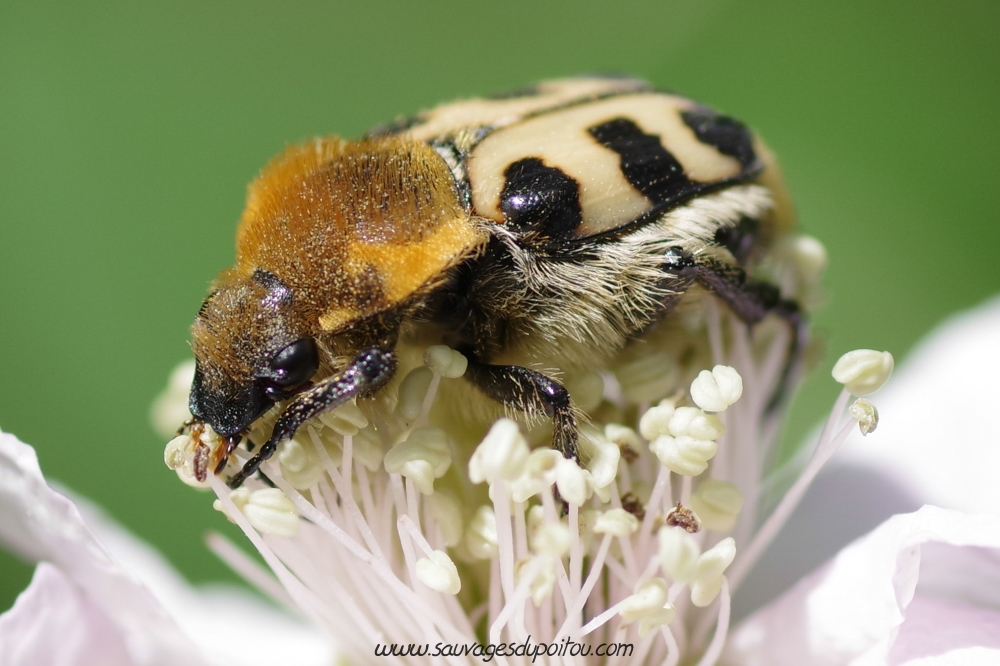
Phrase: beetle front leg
[372,368]
[531,392]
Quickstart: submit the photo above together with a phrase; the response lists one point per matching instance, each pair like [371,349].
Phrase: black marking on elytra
[646,164]
[397,126]
[540,199]
[739,239]
[724,133]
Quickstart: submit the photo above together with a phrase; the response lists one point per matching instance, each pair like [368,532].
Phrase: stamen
[648,377]
[616,522]
[422,458]
[656,420]
[271,512]
[447,514]
[439,573]
[863,371]
[684,455]
[602,458]
[537,476]
[445,361]
[684,518]
[412,391]
[385,518]
[501,455]
[650,597]
[810,259]
[714,651]
[573,612]
[695,423]
[239,498]
[347,419]
[714,391]
[481,536]
[299,463]
[825,448]
[679,554]
[865,414]
[572,482]
[708,576]
[717,503]
[249,569]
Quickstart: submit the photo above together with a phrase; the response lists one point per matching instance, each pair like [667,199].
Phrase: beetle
[558,222]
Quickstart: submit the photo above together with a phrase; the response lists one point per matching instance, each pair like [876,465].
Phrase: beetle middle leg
[372,368]
[750,300]
[532,392]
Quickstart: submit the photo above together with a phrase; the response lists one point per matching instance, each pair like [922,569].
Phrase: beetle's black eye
[294,364]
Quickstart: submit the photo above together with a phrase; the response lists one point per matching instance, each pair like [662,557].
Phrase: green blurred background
[128,133]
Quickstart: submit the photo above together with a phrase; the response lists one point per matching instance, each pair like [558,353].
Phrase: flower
[627,564]
[100,596]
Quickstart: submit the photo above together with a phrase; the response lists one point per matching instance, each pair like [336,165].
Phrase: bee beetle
[557,222]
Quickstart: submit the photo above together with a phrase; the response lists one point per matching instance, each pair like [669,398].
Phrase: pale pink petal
[937,432]
[41,524]
[942,632]
[222,625]
[52,622]
[853,607]
[227,624]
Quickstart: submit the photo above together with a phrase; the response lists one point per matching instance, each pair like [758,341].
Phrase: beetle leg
[366,374]
[532,392]
[750,300]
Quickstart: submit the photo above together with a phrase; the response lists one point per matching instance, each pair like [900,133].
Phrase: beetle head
[253,347]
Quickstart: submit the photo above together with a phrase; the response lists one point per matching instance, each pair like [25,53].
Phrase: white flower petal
[41,524]
[855,605]
[218,625]
[53,622]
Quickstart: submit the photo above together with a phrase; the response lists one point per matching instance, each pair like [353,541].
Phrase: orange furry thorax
[354,228]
